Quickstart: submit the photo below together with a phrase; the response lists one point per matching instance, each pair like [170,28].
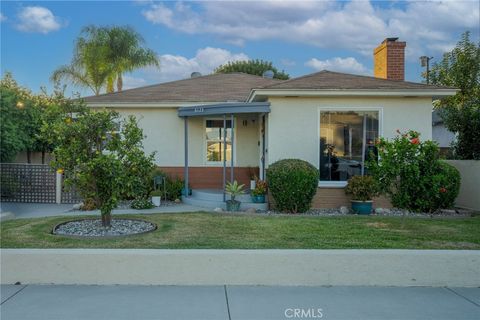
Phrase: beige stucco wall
[468,197]
[165,134]
[293,123]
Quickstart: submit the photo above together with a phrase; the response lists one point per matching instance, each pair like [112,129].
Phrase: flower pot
[253,184]
[156,201]
[189,192]
[258,198]
[233,205]
[362,207]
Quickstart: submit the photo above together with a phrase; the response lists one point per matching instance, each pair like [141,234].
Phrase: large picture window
[215,145]
[347,139]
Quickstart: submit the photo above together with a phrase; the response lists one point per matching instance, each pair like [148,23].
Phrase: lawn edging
[435,268]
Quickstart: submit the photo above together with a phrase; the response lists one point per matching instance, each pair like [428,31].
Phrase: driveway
[237,302]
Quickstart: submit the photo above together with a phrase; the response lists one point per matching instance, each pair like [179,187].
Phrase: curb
[436,268]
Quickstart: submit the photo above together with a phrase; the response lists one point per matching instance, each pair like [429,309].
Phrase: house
[215,128]
[440,134]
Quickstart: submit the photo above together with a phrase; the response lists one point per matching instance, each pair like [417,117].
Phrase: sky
[298,37]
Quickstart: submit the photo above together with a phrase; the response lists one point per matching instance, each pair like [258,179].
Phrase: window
[214,136]
[347,139]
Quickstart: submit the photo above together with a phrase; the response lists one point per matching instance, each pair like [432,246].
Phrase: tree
[101,161]
[102,55]
[22,116]
[255,67]
[460,68]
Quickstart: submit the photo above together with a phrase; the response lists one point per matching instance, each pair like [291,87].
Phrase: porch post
[231,148]
[364,143]
[185,173]
[224,154]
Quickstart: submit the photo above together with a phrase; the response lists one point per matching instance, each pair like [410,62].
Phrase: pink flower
[415,141]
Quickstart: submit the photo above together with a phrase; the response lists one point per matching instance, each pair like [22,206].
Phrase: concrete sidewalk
[237,302]
[37,210]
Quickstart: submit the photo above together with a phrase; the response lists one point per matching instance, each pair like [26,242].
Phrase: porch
[232,147]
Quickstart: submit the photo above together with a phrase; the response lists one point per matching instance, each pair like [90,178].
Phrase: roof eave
[435,93]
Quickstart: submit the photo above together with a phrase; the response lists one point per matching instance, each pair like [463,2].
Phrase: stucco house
[216,128]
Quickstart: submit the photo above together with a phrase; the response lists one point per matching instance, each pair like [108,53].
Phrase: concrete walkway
[37,210]
[237,302]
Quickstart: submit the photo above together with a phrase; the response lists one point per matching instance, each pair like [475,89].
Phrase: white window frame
[343,184]
[204,152]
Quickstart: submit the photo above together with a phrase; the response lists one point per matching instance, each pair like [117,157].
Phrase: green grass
[227,231]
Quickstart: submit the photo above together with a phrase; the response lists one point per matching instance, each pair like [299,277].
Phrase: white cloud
[37,19]
[175,67]
[356,25]
[2,17]
[130,82]
[347,65]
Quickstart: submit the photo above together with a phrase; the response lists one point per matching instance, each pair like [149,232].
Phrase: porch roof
[224,108]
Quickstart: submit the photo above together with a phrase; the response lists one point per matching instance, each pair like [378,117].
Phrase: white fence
[469,196]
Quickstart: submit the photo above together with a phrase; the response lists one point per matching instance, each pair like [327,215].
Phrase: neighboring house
[211,123]
[440,133]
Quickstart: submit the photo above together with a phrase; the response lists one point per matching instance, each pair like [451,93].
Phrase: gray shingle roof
[210,88]
[237,87]
[328,80]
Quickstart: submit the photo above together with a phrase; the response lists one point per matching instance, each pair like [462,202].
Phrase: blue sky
[299,37]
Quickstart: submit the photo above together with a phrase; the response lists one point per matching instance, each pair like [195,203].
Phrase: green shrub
[292,183]
[174,186]
[142,203]
[414,177]
[362,188]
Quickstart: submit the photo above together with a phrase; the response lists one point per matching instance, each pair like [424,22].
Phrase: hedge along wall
[468,197]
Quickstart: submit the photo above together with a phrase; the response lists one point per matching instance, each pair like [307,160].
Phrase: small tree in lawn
[99,160]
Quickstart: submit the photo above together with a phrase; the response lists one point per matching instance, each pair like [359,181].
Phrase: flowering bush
[410,172]
[260,188]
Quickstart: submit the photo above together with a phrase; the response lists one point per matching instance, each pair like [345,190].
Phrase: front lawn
[227,231]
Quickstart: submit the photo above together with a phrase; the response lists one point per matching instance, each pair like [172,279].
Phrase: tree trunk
[29,156]
[119,82]
[110,87]
[107,220]
[43,156]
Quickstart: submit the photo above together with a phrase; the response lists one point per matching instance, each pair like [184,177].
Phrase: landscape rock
[178,200]
[379,211]
[344,210]
[251,210]
[77,206]
[218,210]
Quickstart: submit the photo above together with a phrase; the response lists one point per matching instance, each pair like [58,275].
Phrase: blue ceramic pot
[362,207]
[258,199]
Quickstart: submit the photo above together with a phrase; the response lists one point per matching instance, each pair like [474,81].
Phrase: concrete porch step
[210,199]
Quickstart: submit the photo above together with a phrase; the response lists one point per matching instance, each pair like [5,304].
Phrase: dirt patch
[378,225]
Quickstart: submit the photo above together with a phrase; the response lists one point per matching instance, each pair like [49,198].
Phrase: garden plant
[412,175]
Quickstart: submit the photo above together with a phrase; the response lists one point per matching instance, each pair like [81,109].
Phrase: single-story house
[440,134]
[220,127]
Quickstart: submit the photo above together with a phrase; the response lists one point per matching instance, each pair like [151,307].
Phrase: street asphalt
[74,302]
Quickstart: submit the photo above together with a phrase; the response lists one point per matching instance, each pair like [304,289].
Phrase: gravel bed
[394,212]
[94,228]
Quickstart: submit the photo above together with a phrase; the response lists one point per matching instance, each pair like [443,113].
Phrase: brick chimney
[389,60]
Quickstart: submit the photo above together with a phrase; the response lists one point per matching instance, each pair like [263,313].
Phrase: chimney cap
[393,39]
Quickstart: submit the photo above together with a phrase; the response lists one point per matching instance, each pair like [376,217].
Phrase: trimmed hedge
[292,184]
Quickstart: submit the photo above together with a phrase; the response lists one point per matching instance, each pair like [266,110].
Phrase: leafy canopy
[102,55]
[256,67]
[460,68]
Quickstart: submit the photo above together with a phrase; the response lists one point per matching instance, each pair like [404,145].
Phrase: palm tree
[126,53]
[102,55]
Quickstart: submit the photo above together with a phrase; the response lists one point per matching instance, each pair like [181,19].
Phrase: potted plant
[253,177]
[234,189]
[258,194]
[362,189]
[156,197]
